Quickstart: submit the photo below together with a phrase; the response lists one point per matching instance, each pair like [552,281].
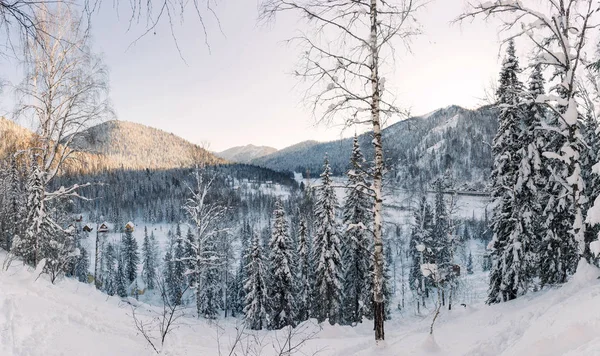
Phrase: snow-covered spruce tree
[246,234]
[60,252]
[178,266]
[560,34]
[173,288]
[357,236]
[420,238]
[508,258]
[256,302]
[281,282]
[130,256]
[530,191]
[348,83]
[36,222]
[121,282]
[304,272]
[387,282]
[470,263]
[328,270]
[149,262]
[110,270]
[207,216]
[11,211]
[590,157]
[82,266]
[189,254]
[441,234]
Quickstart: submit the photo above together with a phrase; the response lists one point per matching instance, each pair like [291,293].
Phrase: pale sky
[241,92]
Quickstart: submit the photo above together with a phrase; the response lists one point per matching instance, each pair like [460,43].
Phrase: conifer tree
[36,223]
[172,284]
[255,309]
[470,263]
[239,296]
[121,277]
[590,156]
[130,256]
[304,273]
[506,253]
[190,256]
[12,209]
[148,260]
[281,283]
[177,266]
[440,239]
[420,249]
[110,270]
[82,265]
[328,270]
[356,250]
[529,193]
[387,283]
[208,292]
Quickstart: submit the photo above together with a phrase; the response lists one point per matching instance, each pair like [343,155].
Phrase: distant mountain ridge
[417,150]
[245,154]
[118,144]
[135,146]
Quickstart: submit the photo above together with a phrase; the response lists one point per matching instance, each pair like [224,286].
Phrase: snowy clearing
[72,318]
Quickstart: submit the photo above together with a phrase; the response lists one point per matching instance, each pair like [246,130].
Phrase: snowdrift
[70,318]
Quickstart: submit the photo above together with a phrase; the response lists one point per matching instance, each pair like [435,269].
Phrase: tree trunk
[97,259]
[378,300]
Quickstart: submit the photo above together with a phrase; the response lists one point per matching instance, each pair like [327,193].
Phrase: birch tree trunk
[378,302]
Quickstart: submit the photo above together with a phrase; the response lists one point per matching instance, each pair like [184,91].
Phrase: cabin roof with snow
[87,228]
[129,226]
[103,227]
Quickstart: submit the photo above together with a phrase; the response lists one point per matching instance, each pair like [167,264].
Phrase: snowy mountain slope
[70,318]
[245,154]
[12,136]
[417,149]
[135,146]
[308,155]
[118,144]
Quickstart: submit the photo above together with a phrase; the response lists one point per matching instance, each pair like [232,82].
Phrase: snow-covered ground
[71,318]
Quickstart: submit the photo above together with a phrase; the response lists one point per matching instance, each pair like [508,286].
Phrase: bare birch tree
[207,216]
[64,92]
[348,43]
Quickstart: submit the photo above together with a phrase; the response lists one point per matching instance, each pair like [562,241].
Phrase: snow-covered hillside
[71,318]
[245,154]
[417,150]
[134,146]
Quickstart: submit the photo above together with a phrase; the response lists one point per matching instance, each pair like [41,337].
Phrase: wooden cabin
[129,227]
[103,227]
[456,270]
[87,228]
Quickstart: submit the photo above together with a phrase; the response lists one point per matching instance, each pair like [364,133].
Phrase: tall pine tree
[506,253]
[255,309]
[303,300]
[356,250]
[149,262]
[328,270]
[130,256]
[281,284]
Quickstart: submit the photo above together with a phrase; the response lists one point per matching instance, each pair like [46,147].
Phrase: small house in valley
[129,227]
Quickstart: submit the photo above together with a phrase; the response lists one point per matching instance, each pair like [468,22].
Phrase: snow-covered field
[71,318]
